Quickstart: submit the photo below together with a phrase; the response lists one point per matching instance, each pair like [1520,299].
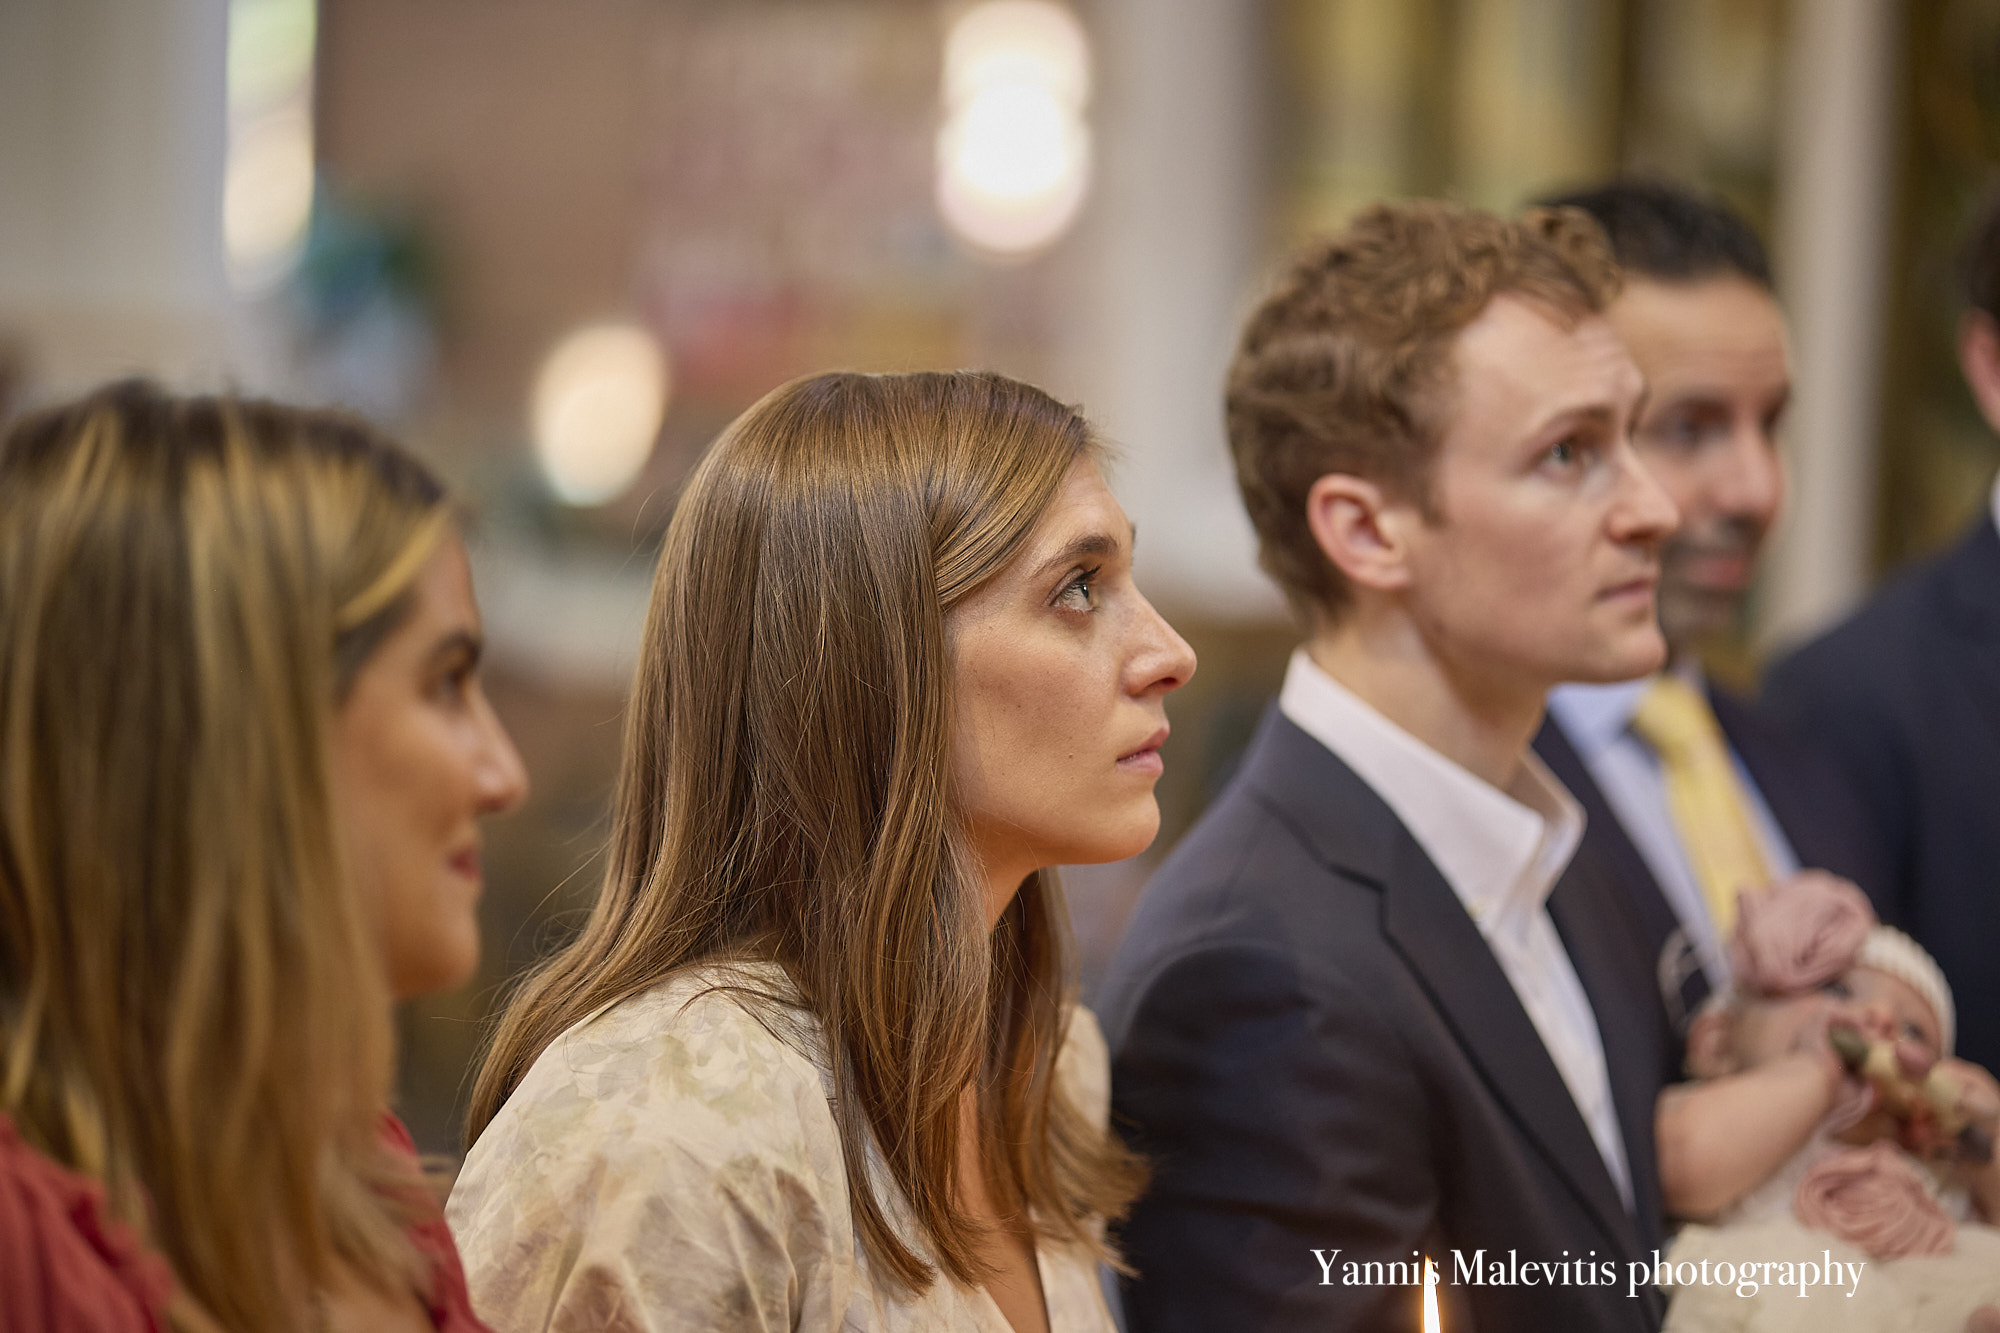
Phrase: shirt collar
[1595,717]
[1501,851]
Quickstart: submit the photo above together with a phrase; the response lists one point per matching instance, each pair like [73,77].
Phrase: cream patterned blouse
[671,1164]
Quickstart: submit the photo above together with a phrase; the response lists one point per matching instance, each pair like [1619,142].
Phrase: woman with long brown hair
[243,753]
[813,1061]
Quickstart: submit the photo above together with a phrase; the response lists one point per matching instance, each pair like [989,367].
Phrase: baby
[1827,1115]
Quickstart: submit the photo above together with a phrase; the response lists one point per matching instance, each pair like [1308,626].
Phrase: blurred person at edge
[243,757]
[1906,695]
[815,1062]
[1697,314]
[1372,1005]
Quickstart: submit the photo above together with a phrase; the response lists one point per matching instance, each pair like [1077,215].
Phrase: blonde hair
[192,1003]
[784,795]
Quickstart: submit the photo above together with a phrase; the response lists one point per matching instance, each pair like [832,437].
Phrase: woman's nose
[503,778]
[1165,661]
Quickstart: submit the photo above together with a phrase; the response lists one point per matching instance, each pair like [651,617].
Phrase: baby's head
[1809,951]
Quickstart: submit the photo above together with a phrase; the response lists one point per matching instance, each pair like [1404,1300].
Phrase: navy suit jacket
[1907,695]
[1808,795]
[1316,1049]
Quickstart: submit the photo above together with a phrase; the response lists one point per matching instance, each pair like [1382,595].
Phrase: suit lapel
[1795,799]
[1639,895]
[1444,950]
[1973,590]
[1760,752]
[1607,956]
[1355,832]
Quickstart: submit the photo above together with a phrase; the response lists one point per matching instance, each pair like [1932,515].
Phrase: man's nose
[1644,512]
[1750,481]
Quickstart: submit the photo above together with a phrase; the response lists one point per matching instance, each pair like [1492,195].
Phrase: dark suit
[1807,794]
[1907,694]
[1316,1049]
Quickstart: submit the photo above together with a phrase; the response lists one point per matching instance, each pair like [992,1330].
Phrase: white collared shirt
[1597,719]
[1501,853]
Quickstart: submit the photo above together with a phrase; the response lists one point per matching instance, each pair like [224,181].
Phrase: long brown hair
[192,1003]
[785,795]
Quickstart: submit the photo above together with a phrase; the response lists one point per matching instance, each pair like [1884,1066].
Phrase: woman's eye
[453,684]
[1080,593]
[1564,454]
[1839,989]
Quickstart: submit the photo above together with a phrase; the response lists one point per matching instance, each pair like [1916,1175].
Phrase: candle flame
[1431,1324]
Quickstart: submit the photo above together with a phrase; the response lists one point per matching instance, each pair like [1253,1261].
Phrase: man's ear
[1979,359]
[1360,531]
[1708,1054]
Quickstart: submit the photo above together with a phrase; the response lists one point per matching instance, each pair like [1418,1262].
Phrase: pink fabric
[1851,1105]
[1986,1319]
[1874,1197]
[66,1264]
[1799,933]
[449,1301]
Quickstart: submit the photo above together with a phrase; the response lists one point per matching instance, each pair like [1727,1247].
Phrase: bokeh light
[267,197]
[1017,41]
[1014,151]
[598,402]
[268,182]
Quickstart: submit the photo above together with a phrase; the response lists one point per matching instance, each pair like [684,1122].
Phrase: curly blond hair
[1345,365]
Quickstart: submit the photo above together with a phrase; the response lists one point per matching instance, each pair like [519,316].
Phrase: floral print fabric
[672,1163]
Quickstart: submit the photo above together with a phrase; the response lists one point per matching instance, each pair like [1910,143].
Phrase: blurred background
[557,244]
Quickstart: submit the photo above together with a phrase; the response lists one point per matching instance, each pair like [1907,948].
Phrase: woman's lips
[1146,759]
[466,863]
[1143,761]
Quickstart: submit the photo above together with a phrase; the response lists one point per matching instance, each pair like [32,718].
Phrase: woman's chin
[1120,839]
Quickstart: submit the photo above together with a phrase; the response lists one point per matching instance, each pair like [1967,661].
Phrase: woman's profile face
[1061,673]
[417,758]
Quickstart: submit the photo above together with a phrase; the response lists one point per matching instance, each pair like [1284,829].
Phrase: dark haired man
[1907,694]
[1689,795]
[1369,1010]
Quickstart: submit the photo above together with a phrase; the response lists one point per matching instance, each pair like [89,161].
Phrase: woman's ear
[1359,530]
[1708,1054]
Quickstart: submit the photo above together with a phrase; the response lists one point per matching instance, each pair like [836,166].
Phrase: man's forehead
[1724,310]
[1522,351]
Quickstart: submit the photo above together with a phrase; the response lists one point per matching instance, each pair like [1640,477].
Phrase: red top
[449,1302]
[67,1265]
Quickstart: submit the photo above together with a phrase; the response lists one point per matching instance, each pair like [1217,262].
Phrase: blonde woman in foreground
[243,755]
[813,1062]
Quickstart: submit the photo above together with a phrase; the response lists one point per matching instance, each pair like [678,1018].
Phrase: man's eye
[1685,432]
[1839,989]
[1564,453]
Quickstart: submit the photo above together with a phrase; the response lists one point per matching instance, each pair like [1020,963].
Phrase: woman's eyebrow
[1090,543]
[457,641]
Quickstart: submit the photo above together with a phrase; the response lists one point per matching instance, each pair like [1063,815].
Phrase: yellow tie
[1707,801]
